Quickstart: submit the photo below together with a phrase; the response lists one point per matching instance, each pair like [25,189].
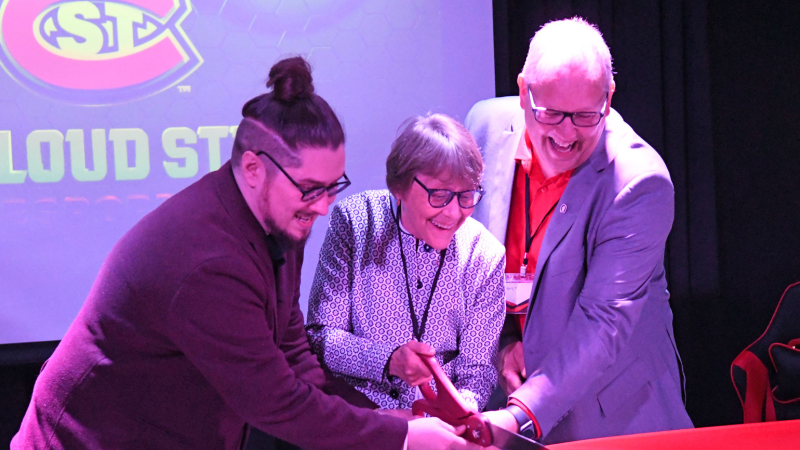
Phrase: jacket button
[394,393]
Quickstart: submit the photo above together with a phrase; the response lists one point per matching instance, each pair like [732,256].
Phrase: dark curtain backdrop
[712,85]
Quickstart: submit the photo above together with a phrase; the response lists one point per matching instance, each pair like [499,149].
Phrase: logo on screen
[96,52]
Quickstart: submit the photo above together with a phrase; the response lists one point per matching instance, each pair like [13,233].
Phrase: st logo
[96,52]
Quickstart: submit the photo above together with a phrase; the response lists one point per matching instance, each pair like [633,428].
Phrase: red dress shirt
[544,195]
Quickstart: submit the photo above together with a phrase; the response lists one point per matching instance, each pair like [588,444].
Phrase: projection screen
[107,108]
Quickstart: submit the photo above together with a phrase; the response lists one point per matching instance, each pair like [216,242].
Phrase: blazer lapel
[250,230]
[501,182]
[581,183]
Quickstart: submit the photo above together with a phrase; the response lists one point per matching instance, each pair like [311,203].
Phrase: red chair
[766,375]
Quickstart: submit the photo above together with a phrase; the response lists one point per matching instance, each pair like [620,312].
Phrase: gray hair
[568,42]
[433,145]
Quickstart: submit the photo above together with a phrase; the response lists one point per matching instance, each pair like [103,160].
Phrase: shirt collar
[396,215]
[276,251]
[524,148]
[527,158]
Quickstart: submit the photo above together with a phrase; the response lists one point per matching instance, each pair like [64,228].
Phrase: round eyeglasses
[439,198]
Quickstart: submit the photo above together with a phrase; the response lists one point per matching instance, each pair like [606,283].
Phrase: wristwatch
[523,421]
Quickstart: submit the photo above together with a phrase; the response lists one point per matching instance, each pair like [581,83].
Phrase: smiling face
[277,203]
[283,212]
[435,226]
[563,147]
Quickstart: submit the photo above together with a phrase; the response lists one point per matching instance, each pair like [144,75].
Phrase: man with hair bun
[584,207]
[192,329]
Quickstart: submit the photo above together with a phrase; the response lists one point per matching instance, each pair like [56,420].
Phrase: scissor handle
[446,403]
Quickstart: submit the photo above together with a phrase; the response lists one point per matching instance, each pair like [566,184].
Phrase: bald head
[570,46]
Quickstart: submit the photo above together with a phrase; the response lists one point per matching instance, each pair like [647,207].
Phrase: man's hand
[432,434]
[406,364]
[502,419]
[511,367]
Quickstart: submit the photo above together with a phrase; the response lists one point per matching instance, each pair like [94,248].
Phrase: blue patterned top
[358,309]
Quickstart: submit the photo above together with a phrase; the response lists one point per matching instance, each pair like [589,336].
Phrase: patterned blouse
[358,310]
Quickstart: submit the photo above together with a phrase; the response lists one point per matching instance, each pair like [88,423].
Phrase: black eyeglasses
[555,117]
[311,194]
[439,198]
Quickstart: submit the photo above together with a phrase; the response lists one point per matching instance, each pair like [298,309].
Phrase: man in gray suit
[584,205]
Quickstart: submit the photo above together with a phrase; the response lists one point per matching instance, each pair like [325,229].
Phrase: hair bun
[290,79]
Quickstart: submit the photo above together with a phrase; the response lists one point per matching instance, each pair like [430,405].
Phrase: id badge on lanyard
[519,285]
[518,292]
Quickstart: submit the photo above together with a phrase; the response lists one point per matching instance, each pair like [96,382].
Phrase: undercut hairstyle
[287,118]
[568,42]
[436,145]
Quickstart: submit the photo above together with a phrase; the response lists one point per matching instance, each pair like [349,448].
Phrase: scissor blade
[506,440]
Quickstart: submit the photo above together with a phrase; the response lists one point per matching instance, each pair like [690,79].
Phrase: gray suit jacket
[598,340]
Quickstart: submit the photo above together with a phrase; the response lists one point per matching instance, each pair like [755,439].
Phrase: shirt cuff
[537,430]
[386,375]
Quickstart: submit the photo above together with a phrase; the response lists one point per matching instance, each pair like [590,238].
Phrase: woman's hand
[406,364]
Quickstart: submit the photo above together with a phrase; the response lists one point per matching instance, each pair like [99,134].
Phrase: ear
[400,196]
[523,90]
[611,90]
[253,170]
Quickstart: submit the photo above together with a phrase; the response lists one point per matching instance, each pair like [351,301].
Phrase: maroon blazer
[191,330]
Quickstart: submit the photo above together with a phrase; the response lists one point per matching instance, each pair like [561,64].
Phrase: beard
[280,235]
[283,238]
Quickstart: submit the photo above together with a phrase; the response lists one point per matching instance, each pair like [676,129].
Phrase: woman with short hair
[406,272]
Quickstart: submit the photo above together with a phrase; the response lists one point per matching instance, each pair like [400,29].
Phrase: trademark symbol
[184,89]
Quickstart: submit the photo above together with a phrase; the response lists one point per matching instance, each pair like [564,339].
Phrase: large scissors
[446,404]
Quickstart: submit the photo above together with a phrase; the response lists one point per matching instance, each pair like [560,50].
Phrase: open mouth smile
[562,147]
[304,219]
[442,226]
